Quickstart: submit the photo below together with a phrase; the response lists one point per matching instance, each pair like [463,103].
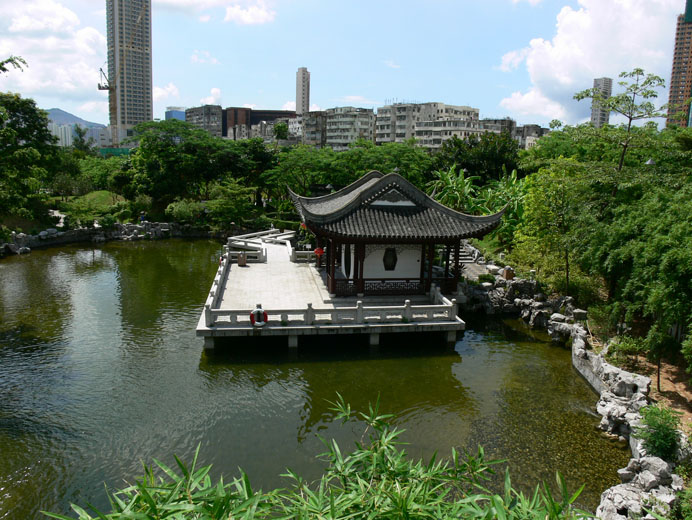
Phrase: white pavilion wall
[407,265]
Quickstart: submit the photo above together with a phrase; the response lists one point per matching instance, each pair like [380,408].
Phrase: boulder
[493,269]
[556,316]
[579,314]
[24,250]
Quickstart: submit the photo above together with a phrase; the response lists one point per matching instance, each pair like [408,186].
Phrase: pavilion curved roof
[388,208]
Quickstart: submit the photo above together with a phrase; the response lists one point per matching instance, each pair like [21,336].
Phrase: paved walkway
[276,284]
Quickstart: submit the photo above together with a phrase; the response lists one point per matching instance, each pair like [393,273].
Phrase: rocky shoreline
[647,483]
[21,243]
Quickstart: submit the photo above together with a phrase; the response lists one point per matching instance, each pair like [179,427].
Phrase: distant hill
[60,117]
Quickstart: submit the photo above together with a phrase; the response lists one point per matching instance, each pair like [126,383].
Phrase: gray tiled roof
[351,214]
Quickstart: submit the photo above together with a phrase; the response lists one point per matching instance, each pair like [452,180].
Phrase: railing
[380,286]
[251,256]
[440,309]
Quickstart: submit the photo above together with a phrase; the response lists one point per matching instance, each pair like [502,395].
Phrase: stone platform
[297,303]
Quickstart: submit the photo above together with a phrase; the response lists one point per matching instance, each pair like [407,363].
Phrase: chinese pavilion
[380,235]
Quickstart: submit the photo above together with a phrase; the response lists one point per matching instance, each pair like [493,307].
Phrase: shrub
[377,480]
[185,211]
[660,431]
[619,351]
[486,277]
[107,221]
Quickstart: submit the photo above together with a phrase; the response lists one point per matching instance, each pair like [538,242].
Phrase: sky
[522,59]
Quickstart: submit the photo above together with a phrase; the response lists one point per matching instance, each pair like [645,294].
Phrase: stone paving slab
[276,284]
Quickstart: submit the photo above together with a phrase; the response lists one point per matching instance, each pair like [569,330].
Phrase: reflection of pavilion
[380,235]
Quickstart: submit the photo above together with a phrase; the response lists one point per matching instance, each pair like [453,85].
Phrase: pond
[100,370]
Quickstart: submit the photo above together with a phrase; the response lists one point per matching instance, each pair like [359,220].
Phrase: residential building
[207,117]
[302,91]
[62,132]
[175,113]
[315,128]
[239,121]
[527,135]
[346,125]
[129,85]
[681,76]
[398,122]
[295,127]
[599,115]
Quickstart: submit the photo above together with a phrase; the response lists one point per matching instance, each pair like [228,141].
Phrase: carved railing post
[359,311]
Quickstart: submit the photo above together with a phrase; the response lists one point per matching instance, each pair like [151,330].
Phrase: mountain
[60,117]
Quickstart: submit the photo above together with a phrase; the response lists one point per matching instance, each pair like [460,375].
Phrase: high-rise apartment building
[128,29]
[207,117]
[346,125]
[681,76]
[599,115]
[302,91]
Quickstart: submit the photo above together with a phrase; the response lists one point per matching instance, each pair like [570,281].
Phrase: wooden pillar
[347,264]
[431,259]
[320,245]
[361,270]
[422,262]
[447,251]
[457,273]
[331,266]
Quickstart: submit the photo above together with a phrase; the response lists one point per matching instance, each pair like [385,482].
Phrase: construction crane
[110,84]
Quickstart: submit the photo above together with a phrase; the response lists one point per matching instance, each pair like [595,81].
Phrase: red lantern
[303,226]
[319,252]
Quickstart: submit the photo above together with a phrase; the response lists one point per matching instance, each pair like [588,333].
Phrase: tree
[453,189]
[545,237]
[633,104]
[281,131]
[487,157]
[27,153]
[80,143]
[15,61]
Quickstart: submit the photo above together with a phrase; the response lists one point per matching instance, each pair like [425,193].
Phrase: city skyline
[522,59]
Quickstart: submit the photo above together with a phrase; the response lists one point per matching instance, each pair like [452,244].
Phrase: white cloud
[513,59]
[249,105]
[203,57]
[204,18]
[391,64]
[213,99]
[592,41]
[315,107]
[98,108]
[289,105]
[255,14]
[163,93]
[63,57]
[359,100]
[532,2]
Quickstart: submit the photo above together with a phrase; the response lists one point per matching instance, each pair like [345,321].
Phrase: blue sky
[518,58]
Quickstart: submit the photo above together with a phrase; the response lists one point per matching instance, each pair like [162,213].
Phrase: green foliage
[454,189]
[27,154]
[486,277]
[186,211]
[659,434]
[15,61]
[377,480]
[486,157]
[281,130]
[624,348]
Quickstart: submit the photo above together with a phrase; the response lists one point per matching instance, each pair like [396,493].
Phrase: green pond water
[100,369]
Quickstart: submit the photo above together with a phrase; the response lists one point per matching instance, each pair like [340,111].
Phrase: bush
[107,221]
[623,347]
[486,277]
[660,431]
[185,211]
[377,480]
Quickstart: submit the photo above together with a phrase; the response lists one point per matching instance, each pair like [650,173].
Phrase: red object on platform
[319,251]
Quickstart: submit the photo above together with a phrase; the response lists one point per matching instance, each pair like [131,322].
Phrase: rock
[647,480]
[659,469]
[43,235]
[619,502]
[540,297]
[559,332]
[556,316]
[51,231]
[579,314]
[626,475]
[539,319]
[24,250]
[487,285]
[493,269]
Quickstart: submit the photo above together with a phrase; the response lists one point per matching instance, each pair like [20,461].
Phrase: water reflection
[100,369]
